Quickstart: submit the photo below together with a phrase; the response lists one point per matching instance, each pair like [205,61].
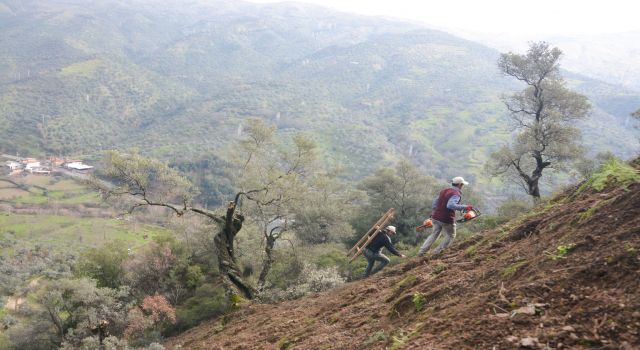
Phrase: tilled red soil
[509,288]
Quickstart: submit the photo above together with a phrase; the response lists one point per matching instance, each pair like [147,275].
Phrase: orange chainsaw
[467,216]
[426,224]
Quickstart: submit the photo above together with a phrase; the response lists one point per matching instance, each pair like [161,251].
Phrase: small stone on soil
[529,342]
[512,339]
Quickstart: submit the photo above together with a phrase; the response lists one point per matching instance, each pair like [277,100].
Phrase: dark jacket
[382,240]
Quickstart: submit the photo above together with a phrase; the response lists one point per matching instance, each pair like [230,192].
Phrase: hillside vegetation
[565,275]
[251,145]
[178,82]
[46,224]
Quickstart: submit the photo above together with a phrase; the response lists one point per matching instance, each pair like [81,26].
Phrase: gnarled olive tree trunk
[231,276]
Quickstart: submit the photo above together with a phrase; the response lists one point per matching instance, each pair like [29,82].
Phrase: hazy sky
[567,17]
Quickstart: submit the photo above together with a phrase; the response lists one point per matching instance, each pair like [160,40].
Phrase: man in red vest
[443,215]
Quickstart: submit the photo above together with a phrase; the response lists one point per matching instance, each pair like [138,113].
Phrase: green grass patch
[472,250]
[58,232]
[81,198]
[54,190]
[65,185]
[32,198]
[613,172]
[587,214]
[84,68]
[561,251]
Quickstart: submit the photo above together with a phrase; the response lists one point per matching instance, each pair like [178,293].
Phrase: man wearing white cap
[443,215]
[373,250]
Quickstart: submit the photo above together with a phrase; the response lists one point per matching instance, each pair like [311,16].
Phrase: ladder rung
[371,233]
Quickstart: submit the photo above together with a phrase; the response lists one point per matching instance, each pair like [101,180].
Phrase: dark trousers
[372,257]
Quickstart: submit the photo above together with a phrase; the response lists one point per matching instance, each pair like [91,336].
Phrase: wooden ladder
[371,234]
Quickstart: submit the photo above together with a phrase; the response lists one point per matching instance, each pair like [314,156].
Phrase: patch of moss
[582,217]
[439,268]
[408,281]
[376,337]
[511,269]
[285,342]
[399,340]
[561,251]
[419,301]
[472,250]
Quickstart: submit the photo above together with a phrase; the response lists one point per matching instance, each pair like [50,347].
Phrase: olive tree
[284,171]
[76,308]
[149,182]
[323,216]
[541,115]
[270,180]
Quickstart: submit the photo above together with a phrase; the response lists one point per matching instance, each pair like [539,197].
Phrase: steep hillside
[177,78]
[567,275]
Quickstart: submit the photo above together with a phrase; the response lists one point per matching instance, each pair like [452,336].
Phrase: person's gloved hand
[469,207]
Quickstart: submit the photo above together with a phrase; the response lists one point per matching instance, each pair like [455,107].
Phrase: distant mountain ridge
[177,79]
[610,57]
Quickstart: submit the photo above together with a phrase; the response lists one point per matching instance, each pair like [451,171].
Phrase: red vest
[441,212]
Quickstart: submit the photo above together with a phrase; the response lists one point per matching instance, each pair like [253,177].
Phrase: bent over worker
[444,216]
[373,250]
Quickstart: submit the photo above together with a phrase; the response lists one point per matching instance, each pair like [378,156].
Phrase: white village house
[30,164]
[13,165]
[78,166]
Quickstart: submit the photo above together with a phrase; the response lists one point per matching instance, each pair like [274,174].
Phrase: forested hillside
[234,152]
[178,80]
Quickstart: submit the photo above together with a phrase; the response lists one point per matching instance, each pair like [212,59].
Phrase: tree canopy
[541,116]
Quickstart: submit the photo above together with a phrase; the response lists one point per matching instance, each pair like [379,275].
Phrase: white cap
[391,228]
[459,180]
